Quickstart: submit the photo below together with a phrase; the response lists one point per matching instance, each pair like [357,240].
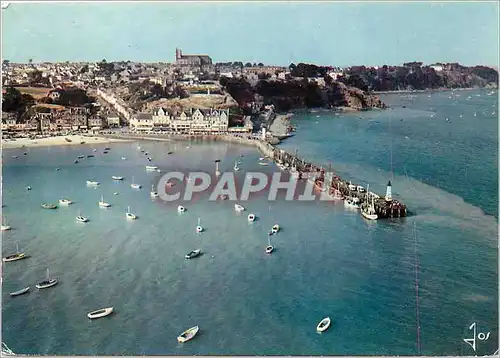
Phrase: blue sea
[442,161]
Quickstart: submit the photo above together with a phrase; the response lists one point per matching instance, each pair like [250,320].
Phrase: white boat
[352,186]
[103,204]
[48,282]
[351,203]
[217,172]
[65,202]
[28,187]
[369,211]
[134,185]
[188,334]
[251,217]
[269,247]
[323,325]
[20,292]
[151,167]
[92,183]
[181,209]
[124,158]
[238,208]
[15,156]
[236,167]
[360,189]
[198,227]
[114,177]
[81,218]
[103,312]
[263,163]
[129,215]
[193,254]
[5,227]
[275,229]
[153,193]
[15,257]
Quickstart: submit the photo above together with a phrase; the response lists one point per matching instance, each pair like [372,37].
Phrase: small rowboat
[103,312]
[275,229]
[114,177]
[49,206]
[151,167]
[239,208]
[65,202]
[188,334]
[251,217]
[20,292]
[324,324]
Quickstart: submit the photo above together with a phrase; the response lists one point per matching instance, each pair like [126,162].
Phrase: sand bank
[55,141]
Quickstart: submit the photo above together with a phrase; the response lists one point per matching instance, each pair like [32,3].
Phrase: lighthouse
[388,192]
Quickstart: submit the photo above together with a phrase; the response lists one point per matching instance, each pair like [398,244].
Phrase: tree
[6,62]
[260,64]
[14,101]
[248,64]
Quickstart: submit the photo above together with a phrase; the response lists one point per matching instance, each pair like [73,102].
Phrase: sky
[274,33]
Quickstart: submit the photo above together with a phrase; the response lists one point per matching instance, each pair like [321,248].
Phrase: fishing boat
[114,177]
[351,203]
[188,334]
[198,227]
[103,204]
[275,229]
[107,148]
[323,325]
[193,254]
[134,185]
[48,282]
[238,208]
[151,167]
[81,218]
[15,156]
[49,206]
[5,227]
[263,163]
[20,292]
[153,193]
[103,312]
[28,187]
[269,247]
[81,157]
[65,202]
[129,215]
[251,217]
[92,183]
[368,211]
[57,169]
[15,257]
[181,209]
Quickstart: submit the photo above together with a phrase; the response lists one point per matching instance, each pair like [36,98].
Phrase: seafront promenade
[323,180]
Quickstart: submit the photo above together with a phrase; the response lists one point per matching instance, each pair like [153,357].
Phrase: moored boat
[193,254]
[103,204]
[49,206]
[153,194]
[114,177]
[188,334]
[20,292]
[351,203]
[15,257]
[323,325]
[251,217]
[151,167]
[103,312]
[65,202]
[198,227]
[181,209]
[269,247]
[48,282]
[92,183]
[238,208]
[275,229]
[129,215]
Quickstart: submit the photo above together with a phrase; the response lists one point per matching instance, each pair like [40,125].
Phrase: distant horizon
[274,33]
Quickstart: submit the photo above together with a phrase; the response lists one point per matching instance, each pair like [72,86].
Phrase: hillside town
[193,95]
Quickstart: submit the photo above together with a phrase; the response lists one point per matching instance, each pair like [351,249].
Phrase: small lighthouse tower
[388,192]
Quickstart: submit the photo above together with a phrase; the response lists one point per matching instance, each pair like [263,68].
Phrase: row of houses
[116,103]
[212,121]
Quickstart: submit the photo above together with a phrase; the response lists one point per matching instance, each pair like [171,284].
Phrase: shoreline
[57,141]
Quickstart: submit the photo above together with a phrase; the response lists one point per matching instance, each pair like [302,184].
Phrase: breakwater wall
[324,180]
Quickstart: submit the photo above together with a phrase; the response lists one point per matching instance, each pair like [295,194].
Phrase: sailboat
[134,185]
[217,172]
[130,215]
[14,257]
[65,202]
[103,204]
[269,247]
[368,211]
[5,227]
[153,193]
[48,282]
[236,167]
[198,227]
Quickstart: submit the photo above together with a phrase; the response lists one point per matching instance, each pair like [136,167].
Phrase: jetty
[325,180]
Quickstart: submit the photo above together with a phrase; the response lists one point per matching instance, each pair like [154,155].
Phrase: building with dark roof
[202,63]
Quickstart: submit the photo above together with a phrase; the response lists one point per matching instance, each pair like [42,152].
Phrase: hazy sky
[279,33]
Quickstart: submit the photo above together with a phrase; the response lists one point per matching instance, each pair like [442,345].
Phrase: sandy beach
[57,140]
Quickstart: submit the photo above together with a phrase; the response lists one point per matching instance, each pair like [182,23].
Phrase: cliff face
[295,94]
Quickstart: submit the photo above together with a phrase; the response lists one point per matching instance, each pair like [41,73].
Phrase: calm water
[328,262]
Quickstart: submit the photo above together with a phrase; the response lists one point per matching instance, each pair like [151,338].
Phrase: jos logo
[481,336]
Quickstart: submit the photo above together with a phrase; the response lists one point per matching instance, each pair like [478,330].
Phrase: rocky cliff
[295,94]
